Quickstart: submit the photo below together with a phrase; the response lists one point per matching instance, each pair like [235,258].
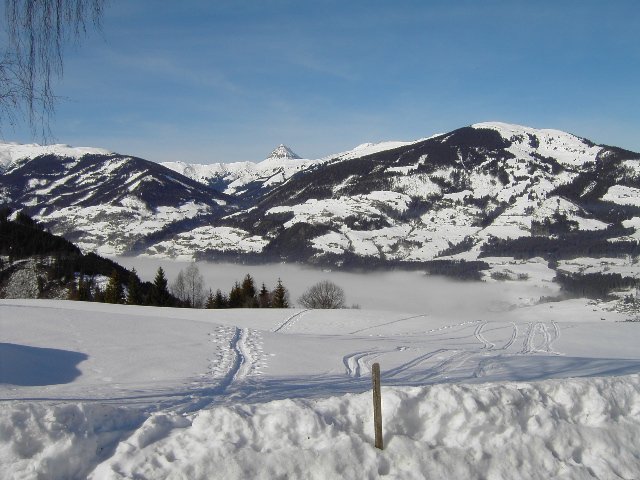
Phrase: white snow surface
[568,149]
[239,174]
[623,195]
[11,153]
[221,238]
[513,390]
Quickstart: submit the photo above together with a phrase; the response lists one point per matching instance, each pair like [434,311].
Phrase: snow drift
[578,428]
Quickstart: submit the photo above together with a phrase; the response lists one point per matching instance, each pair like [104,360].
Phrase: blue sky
[208,81]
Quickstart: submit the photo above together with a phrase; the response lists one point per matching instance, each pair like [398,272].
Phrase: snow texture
[10,153]
[511,390]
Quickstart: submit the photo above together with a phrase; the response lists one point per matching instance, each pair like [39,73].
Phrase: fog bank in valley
[411,292]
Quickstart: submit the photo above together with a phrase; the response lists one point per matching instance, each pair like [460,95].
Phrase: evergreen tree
[248,286]
[264,297]
[210,300]
[84,289]
[249,292]
[134,294]
[236,297]
[280,296]
[220,300]
[98,295]
[73,291]
[159,294]
[114,292]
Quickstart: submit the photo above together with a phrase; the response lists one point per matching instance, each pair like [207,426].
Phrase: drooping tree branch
[38,31]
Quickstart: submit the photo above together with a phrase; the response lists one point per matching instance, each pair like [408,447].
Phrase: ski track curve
[538,338]
[514,336]
[486,344]
[290,321]
[355,363]
[387,323]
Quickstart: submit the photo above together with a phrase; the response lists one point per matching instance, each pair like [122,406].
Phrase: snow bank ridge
[556,428]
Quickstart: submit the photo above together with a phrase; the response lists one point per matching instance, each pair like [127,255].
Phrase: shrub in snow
[323,294]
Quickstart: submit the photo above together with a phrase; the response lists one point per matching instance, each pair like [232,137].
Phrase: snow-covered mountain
[487,189]
[283,152]
[249,181]
[100,200]
[456,195]
[13,153]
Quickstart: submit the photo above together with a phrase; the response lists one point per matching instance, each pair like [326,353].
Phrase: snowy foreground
[109,392]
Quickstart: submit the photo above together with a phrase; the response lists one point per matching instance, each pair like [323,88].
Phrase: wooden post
[377,405]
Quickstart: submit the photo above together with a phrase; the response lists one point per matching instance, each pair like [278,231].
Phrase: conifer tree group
[185,291]
[245,295]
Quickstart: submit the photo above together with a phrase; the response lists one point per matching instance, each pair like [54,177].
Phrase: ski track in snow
[478,334]
[239,356]
[289,322]
[359,363]
[387,323]
[513,338]
[537,338]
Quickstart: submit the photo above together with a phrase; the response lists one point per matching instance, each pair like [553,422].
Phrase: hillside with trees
[58,269]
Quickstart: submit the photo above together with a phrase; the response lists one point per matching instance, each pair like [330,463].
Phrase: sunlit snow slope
[142,392]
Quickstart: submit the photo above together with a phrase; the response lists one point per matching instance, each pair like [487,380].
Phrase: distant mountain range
[490,189]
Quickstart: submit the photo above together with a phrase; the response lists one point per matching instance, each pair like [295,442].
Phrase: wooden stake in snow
[377,404]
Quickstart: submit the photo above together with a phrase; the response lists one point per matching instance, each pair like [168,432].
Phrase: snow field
[570,150]
[222,238]
[578,428]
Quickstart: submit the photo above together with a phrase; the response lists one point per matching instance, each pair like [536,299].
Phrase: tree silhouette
[323,294]
[249,292]
[264,297]
[220,300]
[236,297]
[159,294]
[280,296]
[114,292]
[134,293]
[194,285]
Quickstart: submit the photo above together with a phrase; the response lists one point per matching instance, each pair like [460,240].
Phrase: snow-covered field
[492,389]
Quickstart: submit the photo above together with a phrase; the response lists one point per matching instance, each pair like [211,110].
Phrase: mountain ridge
[450,196]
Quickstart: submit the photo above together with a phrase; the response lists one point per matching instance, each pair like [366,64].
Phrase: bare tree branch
[38,31]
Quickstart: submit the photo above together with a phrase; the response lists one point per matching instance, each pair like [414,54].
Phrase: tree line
[187,291]
[188,288]
[595,285]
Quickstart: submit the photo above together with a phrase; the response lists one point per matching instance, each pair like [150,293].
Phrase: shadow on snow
[33,366]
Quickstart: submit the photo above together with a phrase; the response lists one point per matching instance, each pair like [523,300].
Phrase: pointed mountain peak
[283,152]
